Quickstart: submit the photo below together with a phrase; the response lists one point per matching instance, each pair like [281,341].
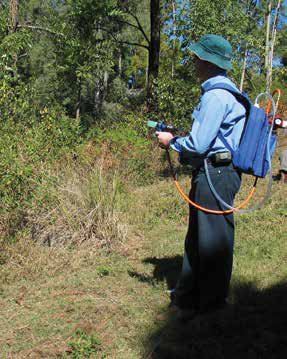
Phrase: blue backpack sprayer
[253,156]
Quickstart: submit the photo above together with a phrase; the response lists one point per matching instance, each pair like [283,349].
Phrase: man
[207,264]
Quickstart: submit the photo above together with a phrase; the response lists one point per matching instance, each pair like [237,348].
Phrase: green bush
[30,140]
[131,153]
[176,101]
[117,92]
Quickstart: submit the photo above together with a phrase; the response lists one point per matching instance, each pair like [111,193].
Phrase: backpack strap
[240,97]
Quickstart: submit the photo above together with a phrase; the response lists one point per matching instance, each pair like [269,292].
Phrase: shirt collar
[222,77]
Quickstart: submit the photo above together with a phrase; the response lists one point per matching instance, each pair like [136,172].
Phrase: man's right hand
[164,138]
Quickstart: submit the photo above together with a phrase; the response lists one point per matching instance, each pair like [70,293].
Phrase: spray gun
[161,127]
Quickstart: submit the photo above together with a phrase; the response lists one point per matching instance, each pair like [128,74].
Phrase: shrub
[176,100]
[117,92]
[29,138]
[130,153]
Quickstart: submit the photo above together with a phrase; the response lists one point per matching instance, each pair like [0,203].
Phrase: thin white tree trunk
[146,74]
[120,63]
[13,13]
[273,38]
[13,19]
[106,78]
[243,69]
[78,108]
[267,40]
[174,42]
[269,68]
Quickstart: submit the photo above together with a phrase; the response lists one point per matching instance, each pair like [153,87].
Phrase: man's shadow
[252,326]
[165,269]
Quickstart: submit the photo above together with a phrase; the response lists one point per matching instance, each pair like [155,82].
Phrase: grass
[111,301]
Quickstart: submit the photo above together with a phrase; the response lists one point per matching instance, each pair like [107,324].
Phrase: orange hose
[197,205]
[278,91]
[211,210]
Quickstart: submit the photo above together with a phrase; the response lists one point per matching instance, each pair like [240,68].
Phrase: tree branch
[41,29]
[140,27]
[23,55]
[125,42]
[127,23]
[133,44]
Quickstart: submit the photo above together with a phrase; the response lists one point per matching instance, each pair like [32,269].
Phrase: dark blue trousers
[207,265]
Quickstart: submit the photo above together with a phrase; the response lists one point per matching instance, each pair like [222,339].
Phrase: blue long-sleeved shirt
[217,111]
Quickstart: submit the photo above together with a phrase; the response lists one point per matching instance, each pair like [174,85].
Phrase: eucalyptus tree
[132,39]
[147,38]
[270,41]
[86,54]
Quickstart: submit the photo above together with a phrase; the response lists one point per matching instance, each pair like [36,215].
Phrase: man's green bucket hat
[214,49]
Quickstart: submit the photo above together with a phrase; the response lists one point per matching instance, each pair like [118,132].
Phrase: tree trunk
[174,38]
[101,85]
[120,63]
[106,78]
[98,97]
[13,14]
[13,22]
[267,41]
[154,49]
[78,107]
[146,75]
[272,43]
[243,69]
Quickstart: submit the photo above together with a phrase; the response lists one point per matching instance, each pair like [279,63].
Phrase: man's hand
[164,138]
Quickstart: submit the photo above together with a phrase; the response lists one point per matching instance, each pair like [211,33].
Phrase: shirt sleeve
[207,119]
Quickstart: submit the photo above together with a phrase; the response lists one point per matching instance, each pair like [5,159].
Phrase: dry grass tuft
[85,209]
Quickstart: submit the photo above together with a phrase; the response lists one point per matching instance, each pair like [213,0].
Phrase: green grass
[111,302]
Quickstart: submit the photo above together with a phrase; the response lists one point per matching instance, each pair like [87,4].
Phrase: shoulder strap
[240,97]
